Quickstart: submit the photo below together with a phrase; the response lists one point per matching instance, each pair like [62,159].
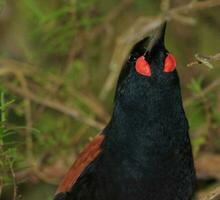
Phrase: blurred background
[59,62]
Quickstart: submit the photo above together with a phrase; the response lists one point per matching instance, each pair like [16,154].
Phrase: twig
[88,99]
[8,67]
[13,179]
[205,60]
[196,6]
[213,195]
[42,176]
[183,19]
[165,5]
[122,5]
[79,134]
[55,105]
[76,114]
[77,44]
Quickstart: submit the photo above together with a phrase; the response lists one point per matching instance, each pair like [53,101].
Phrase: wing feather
[91,151]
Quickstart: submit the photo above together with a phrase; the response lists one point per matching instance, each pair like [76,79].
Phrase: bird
[144,152]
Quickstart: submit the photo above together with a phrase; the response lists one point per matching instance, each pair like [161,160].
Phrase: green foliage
[8,149]
[202,114]
[2,4]
[54,28]
[196,85]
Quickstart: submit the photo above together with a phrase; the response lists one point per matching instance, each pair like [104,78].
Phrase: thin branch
[213,195]
[13,180]
[77,44]
[165,5]
[205,60]
[188,20]
[55,105]
[196,6]
[121,6]
[19,69]
[88,99]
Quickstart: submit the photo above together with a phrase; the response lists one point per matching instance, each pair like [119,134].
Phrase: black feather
[61,196]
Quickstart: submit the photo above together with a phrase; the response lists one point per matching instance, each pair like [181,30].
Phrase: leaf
[196,85]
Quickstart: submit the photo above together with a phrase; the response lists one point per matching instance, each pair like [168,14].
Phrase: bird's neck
[156,135]
[159,117]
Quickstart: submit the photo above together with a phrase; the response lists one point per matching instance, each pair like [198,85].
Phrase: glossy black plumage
[146,152]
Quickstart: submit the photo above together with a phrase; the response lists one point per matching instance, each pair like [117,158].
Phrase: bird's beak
[157,38]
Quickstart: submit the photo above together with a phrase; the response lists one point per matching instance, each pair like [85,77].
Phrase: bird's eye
[142,66]
[170,63]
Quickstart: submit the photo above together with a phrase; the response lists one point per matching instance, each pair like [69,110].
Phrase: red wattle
[170,63]
[142,66]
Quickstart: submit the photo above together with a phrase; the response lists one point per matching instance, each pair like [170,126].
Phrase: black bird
[144,153]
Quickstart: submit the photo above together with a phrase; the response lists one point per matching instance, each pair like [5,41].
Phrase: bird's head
[149,72]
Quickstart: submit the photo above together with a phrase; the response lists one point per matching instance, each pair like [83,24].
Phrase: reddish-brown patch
[84,159]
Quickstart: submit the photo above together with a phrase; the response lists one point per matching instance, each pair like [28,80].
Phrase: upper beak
[157,38]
